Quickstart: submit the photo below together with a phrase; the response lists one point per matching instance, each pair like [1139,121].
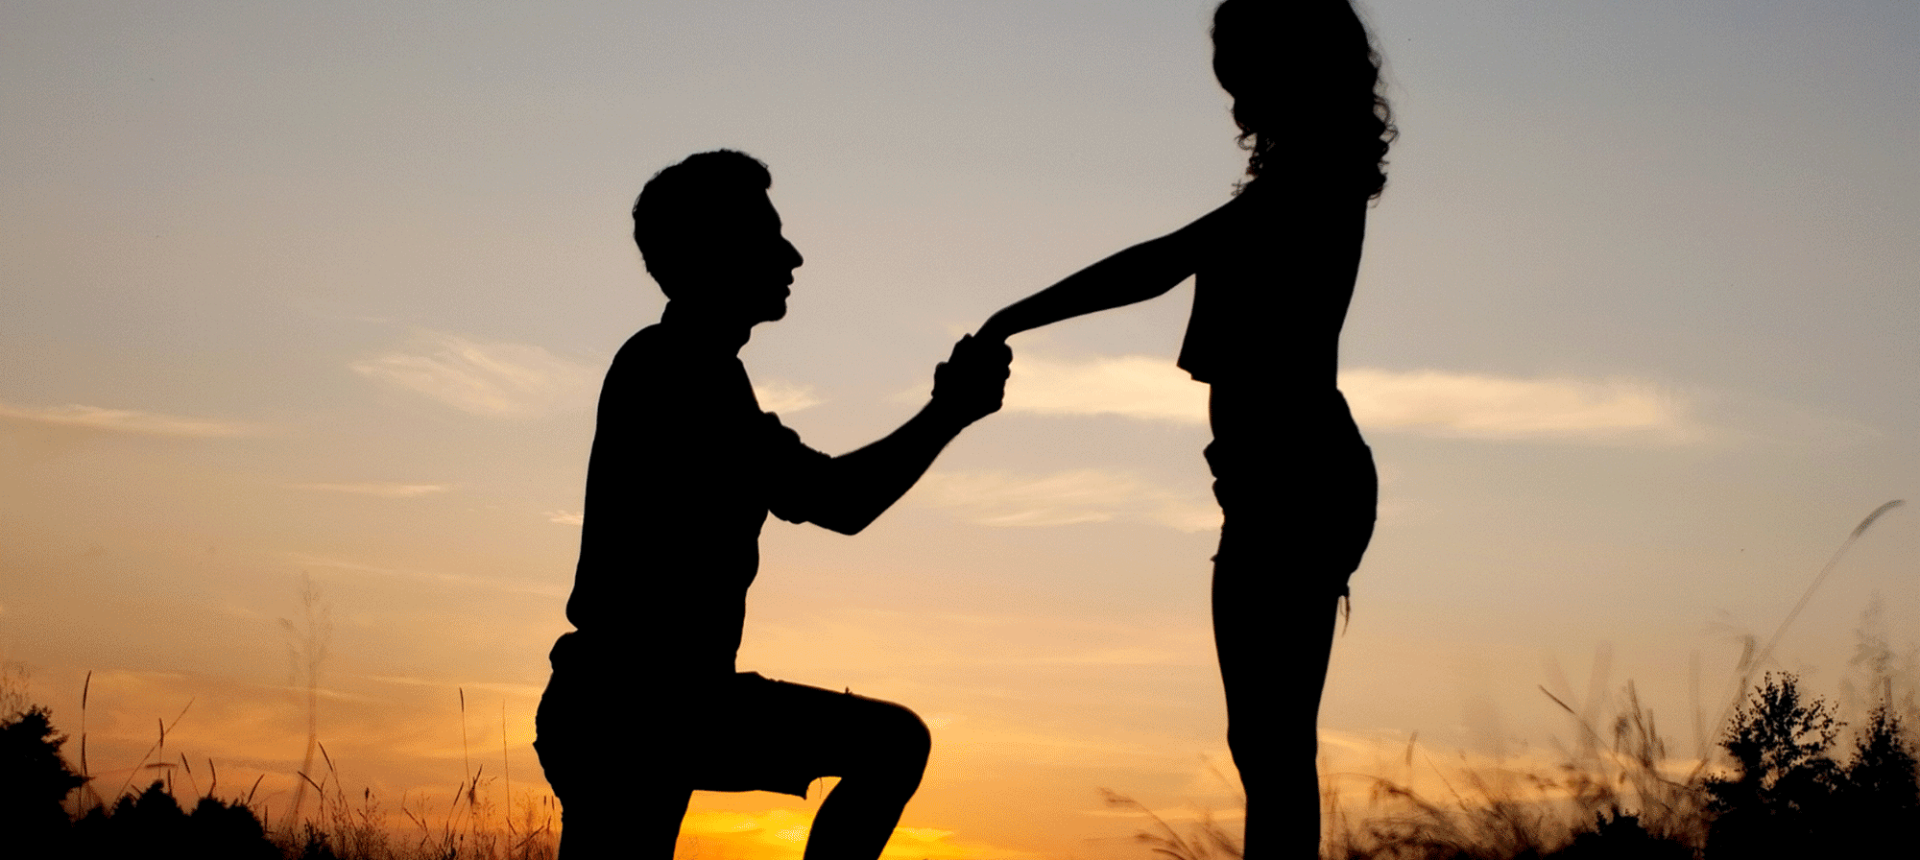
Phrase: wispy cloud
[1436,402]
[494,379]
[525,691]
[1499,407]
[1064,498]
[491,584]
[386,490]
[1133,386]
[95,418]
[567,518]
[777,396]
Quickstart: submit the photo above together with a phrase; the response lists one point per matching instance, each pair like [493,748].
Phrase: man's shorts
[742,732]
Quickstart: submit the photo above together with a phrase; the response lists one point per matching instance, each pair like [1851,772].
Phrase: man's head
[710,236]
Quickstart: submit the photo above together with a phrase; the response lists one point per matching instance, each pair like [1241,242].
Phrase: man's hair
[681,213]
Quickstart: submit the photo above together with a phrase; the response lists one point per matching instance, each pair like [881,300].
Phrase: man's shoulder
[648,353]
[639,365]
[650,343]
[660,363]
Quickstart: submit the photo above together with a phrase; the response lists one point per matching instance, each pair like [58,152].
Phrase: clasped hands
[972,382]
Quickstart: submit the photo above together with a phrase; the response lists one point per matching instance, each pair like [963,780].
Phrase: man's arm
[856,487]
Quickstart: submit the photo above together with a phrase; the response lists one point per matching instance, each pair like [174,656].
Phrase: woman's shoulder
[1303,184]
[1305,211]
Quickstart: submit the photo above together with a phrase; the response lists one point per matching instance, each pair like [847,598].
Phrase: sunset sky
[316,298]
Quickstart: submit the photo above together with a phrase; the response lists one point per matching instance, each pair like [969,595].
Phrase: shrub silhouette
[136,823]
[1621,837]
[228,831]
[216,829]
[35,780]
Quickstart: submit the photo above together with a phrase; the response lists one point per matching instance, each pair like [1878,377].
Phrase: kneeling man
[645,704]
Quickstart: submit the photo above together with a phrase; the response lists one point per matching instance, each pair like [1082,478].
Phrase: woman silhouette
[1276,268]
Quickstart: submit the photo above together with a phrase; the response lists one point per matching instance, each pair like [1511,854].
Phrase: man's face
[753,264]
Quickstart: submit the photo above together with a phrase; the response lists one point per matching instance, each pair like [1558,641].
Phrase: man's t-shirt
[684,469]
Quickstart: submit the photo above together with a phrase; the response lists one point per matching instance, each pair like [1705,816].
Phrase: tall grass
[339,826]
[1614,784]
[1616,792]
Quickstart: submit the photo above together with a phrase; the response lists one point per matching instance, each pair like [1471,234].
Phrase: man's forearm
[863,484]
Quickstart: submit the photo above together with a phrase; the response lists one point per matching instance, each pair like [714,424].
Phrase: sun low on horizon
[304,310]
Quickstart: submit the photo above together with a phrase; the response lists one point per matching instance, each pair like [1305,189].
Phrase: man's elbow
[846,525]
[843,510]
[846,516]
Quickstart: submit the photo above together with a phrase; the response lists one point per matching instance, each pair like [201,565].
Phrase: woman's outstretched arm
[1136,274]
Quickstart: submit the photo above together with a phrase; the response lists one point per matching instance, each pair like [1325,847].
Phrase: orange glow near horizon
[305,310]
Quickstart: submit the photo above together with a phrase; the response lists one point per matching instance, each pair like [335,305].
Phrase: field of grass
[1785,776]
[1781,784]
[48,797]
[1786,779]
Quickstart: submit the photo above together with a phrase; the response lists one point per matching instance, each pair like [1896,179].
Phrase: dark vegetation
[1787,796]
[1786,787]
[1781,788]
[48,807]
[1783,784]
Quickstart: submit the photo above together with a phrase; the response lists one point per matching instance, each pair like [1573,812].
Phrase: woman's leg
[1299,505]
[1274,643]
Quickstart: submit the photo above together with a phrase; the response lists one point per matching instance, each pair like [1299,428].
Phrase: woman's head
[1305,84]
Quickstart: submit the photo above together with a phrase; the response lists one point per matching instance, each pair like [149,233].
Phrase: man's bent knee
[897,742]
[909,738]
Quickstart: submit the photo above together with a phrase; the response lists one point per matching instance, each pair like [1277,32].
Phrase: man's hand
[971,383]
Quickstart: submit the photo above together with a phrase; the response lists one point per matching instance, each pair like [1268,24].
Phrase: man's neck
[707,325]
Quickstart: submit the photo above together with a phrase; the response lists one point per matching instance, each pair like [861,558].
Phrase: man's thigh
[769,735]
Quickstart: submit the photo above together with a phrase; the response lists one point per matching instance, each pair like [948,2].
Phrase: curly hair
[1305,81]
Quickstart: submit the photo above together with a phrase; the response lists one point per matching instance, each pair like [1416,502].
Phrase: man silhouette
[645,704]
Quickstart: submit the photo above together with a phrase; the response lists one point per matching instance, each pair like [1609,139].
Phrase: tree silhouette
[1879,793]
[1780,800]
[1788,797]
[34,779]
